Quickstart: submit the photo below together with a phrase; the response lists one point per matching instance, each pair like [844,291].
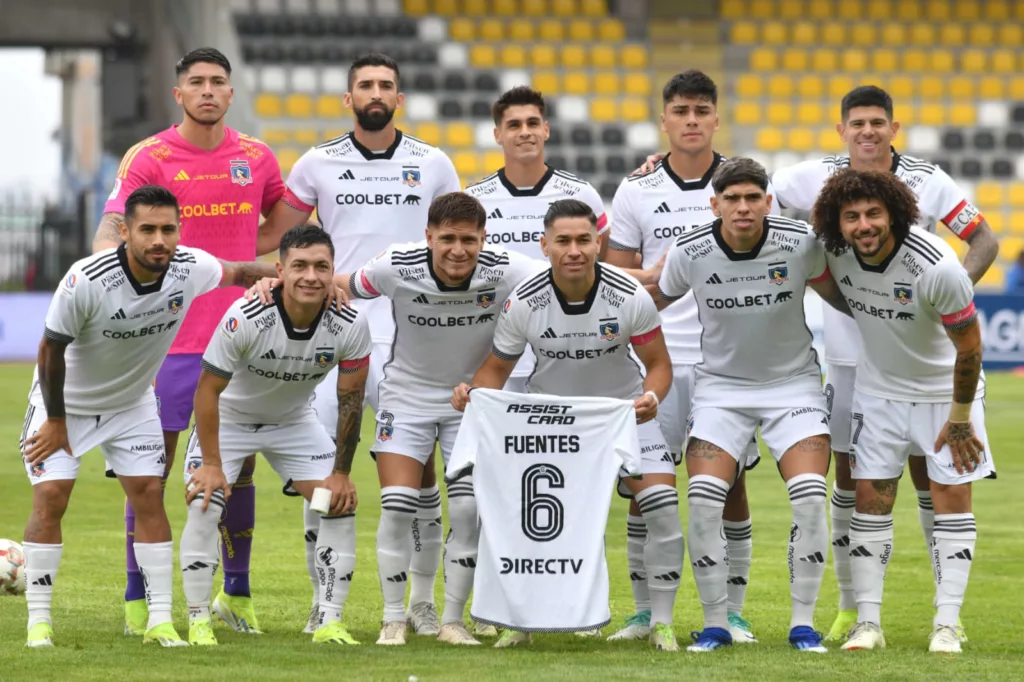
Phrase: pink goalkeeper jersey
[222,194]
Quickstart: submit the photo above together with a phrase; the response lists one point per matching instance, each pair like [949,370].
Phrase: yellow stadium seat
[1010,247]
[576,83]
[633,57]
[932,114]
[829,141]
[635,109]
[505,8]
[747,113]
[275,136]
[991,87]
[475,8]
[810,113]
[791,9]
[493,160]
[908,12]
[905,114]
[944,61]
[838,86]
[994,277]
[780,113]
[990,196]
[638,84]
[733,9]
[1011,35]
[894,35]
[429,132]
[459,135]
[885,61]
[952,34]
[603,109]
[466,163]
[850,10]
[810,87]
[961,87]
[547,82]
[775,33]
[762,9]
[603,56]
[1016,88]
[880,10]
[915,60]
[901,87]
[967,10]
[997,10]
[1004,61]
[864,34]
[743,33]
[268,105]
[298,105]
[552,31]
[446,8]
[333,133]
[593,8]
[749,85]
[513,56]
[801,140]
[981,35]
[995,220]
[763,59]
[581,30]
[462,30]
[492,30]
[306,136]
[543,56]
[611,31]
[563,8]
[854,61]
[1015,195]
[1016,225]
[973,61]
[416,8]
[955,243]
[769,139]
[535,8]
[805,33]
[922,34]
[780,86]
[931,87]
[794,60]
[938,10]
[286,157]
[607,83]
[574,57]
[824,60]
[834,33]
[330,106]
[483,56]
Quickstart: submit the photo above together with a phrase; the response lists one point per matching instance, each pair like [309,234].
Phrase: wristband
[657,403]
[960,412]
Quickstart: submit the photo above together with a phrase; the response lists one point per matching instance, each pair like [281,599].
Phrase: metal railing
[38,242]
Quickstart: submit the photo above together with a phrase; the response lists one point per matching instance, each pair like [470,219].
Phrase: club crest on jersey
[324,357]
[38,469]
[903,293]
[192,465]
[231,326]
[609,329]
[241,174]
[485,299]
[176,302]
[778,273]
[411,176]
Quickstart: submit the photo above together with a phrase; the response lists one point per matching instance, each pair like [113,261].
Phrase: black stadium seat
[422,54]
[1002,169]
[945,165]
[313,27]
[1014,141]
[984,140]
[558,162]
[404,27]
[250,25]
[301,53]
[608,189]
[970,168]
[451,108]
[953,140]
[251,53]
[454,81]
[555,138]
[1017,114]
[612,136]
[334,53]
[582,137]
[480,109]
[424,81]
[281,25]
[586,165]
[615,165]
[272,53]
[638,160]
[486,82]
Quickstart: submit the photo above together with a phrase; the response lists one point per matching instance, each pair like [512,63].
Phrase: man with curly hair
[915,393]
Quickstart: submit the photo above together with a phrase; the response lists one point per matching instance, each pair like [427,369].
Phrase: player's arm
[494,373]
[653,353]
[958,432]
[943,197]
[108,234]
[982,249]
[53,434]
[826,287]
[287,213]
[673,283]
[245,274]
[209,477]
[351,387]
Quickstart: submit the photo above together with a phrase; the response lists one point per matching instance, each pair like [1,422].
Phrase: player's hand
[460,397]
[343,494]
[338,297]
[964,446]
[51,437]
[646,407]
[652,275]
[207,479]
[262,288]
[650,163]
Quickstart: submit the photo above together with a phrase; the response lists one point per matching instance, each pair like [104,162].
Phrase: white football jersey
[900,307]
[939,199]
[649,212]
[368,200]
[543,469]
[442,334]
[755,339]
[581,348]
[118,330]
[273,367]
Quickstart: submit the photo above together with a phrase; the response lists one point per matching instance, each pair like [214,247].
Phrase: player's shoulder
[932,249]
[335,148]
[409,253]
[697,235]
[417,148]
[792,225]
[914,166]
[485,187]
[343,318]
[565,183]
[136,154]
[646,181]
[94,267]
[494,258]
[533,285]
[246,313]
[619,279]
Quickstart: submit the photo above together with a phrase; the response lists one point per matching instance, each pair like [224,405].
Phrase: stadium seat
[973,61]
[638,84]
[795,60]
[810,87]
[535,8]
[901,87]
[894,35]
[633,57]
[1014,141]
[733,9]
[780,86]
[563,8]
[458,135]
[287,157]
[483,56]
[268,105]
[593,8]
[780,113]
[924,140]
[466,163]
[581,31]
[820,10]
[1015,195]
[607,83]
[931,87]
[616,165]
[543,56]
[838,86]
[577,83]
[454,81]
[914,61]
[761,9]
[275,136]
[829,141]
[962,114]
[743,33]
[447,8]
[810,113]
[581,136]
[775,33]
[635,109]
[1011,35]
[521,31]
[749,85]
[834,33]
[989,196]
[547,82]
[953,34]
[747,113]
[1016,225]
[603,109]
[763,59]
[429,132]
[1010,247]
[330,107]
[491,30]
[961,88]
[996,220]
[997,10]
[557,161]
[983,140]
[769,139]
[493,160]
[884,61]
[453,56]
[603,56]
[804,33]
[1017,114]
[574,57]
[1002,169]
[994,277]
[307,137]
[801,140]
[944,61]
[451,108]
[611,31]
[586,165]
[953,141]
[552,31]
[612,136]
[824,60]
[503,8]
[572,109]
[790,9]
[863,35]
[971,169]
[513,56]
[854,61]
[333,133]
[480,108]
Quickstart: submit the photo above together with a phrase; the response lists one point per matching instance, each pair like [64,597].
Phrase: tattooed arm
[108,234]
[982,249]
[351,386]
[246,274]
[52,435]
[958,432]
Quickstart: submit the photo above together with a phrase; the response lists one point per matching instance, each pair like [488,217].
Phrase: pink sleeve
[641,339]
[137,169]
[274,189]
[602,222]
[289,198]
[960,318]
[822,277]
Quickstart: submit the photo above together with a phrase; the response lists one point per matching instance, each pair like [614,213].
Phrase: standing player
[109,326]
[757,368]
[372,188]
[868,129]
[649,213]
[582,319]
[224,180]
[254,395]
[916,393]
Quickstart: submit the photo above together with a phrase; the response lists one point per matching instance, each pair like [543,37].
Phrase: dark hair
[850,185]
[456,207]
[690,83]
[568,208]
[372,59]
[737,170]
[304,236]
[203,55]
[866,96]
[518,96]
[149,195]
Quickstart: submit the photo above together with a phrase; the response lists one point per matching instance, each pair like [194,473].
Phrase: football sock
[808,544]
[870,553]
[427,535]
[335,563]
[311,528]
[740,544]
[460,549]
[398,506]
[926,515]
[842,511]
[953,552]
[41,564]
[236,529]
[708,554]
[636,537]
[197,554]
[663,553]
[135,588]
[156,562]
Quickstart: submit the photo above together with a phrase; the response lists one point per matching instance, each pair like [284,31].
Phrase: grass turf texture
[88,613]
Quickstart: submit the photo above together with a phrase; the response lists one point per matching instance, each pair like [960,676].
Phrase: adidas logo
[196,566]
[847,281]
[496,213]
[667,457]
[45,580]
[714,279]
[962,554]
[860,551]
[400,578]
[705,562]
[346,578]
[347,175]
[465,563]
[182,175]
[635,577]
[663,208]
[422,298]
[119,315]
[269,355]
[815,558]
[737,580]
[671,575]
[311,536]
[549,333]
[842,542]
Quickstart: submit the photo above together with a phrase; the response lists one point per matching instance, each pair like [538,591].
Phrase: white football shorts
[325,396]
[839,401]
[131,442]
[655,457]
[413,435]
[781,428]
[886,432]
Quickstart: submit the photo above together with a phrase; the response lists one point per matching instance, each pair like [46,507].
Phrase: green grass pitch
[88,614]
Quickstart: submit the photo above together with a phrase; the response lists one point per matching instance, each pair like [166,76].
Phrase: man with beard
[372,188]
[223,181]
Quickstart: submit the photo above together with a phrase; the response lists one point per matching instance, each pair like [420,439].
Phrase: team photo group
[554,353]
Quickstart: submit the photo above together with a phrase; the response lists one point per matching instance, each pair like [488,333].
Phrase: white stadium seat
[642,136]
[572,109]
[240,6]
[304,79]
[273,79]
[968,188]
[453,56]
[419,107]
[993,114]
[432,30]
[484,135]
[298,6]
[359,8]
[1020,168]
[334,79]
[249,76]
[328,7]
[923,140]
[510,78]
[268,6]
[388,8]
[782,160]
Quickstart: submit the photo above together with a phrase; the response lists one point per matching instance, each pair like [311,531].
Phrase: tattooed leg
[705,458]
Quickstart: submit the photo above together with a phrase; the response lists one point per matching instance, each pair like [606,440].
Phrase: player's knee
[919,472]
[951,499]
[49,502]
[844,477]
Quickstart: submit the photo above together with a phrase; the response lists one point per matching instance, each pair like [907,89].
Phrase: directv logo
[119,315]
[714,279]
[347,175]
[663,208]
[496,213]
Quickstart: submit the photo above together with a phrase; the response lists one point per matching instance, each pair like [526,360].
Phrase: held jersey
[755,340]
[119,330]
[222,192]
[939,198]
[442,333]
[274,367]
[582,349]
[649,212]
[368,200]
[543,469]
[901,307]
